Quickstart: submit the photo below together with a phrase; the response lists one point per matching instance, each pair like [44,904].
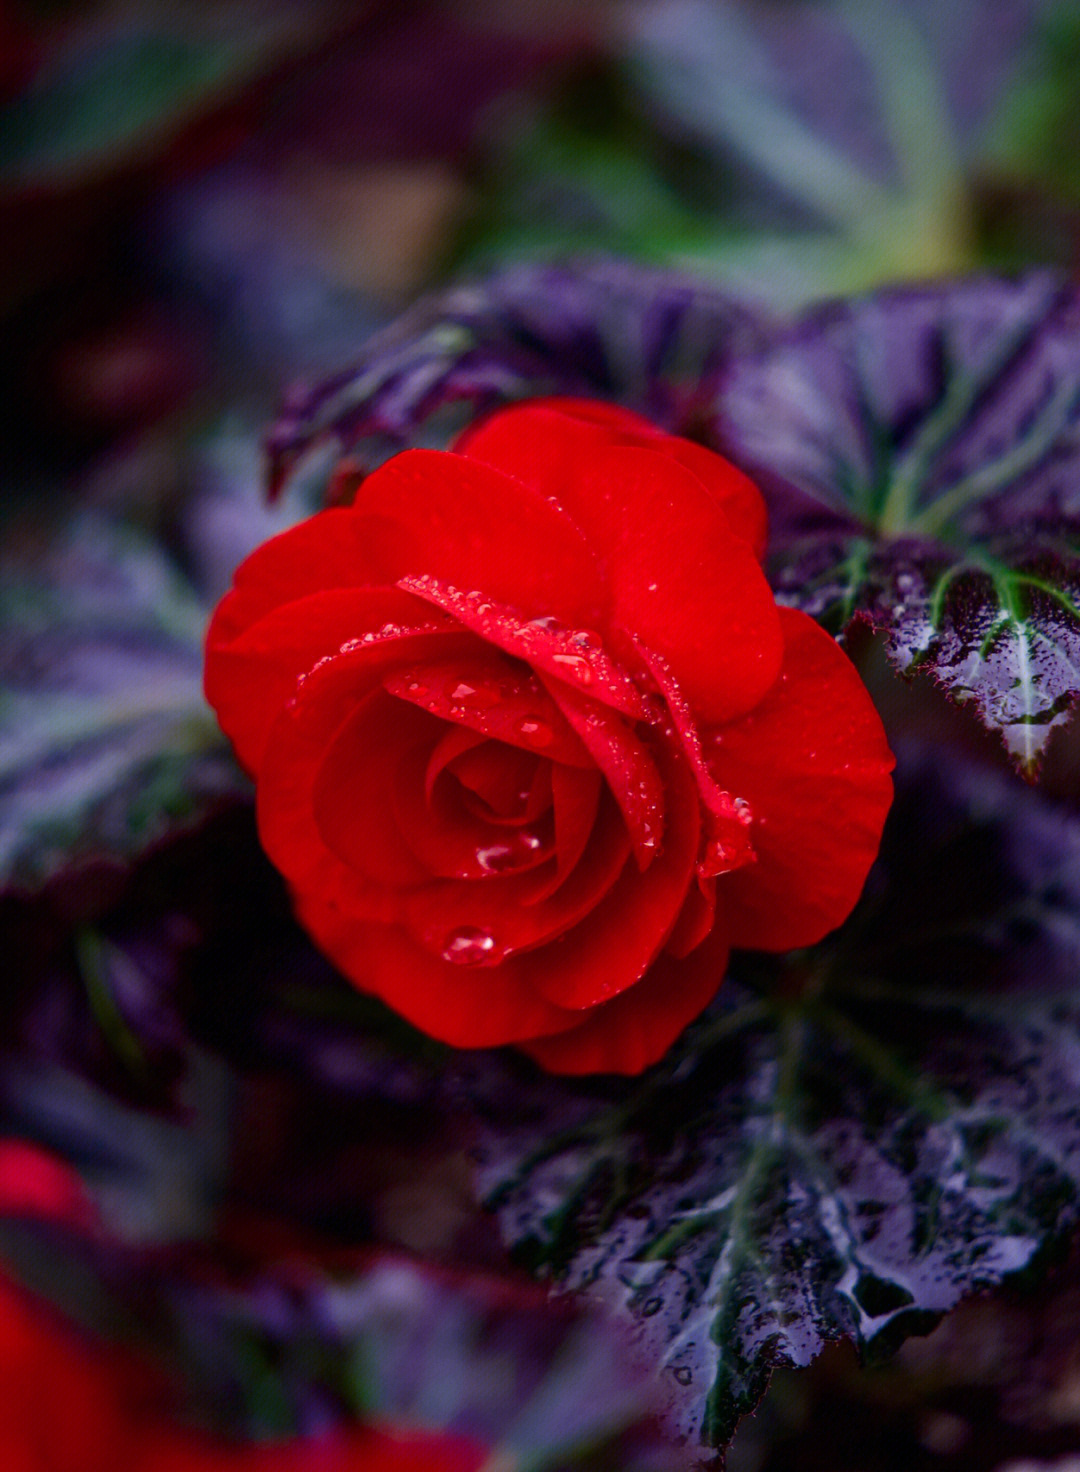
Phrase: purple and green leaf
[920,452]
[850,1141]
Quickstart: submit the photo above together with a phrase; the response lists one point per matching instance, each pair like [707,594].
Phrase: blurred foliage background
[200,205]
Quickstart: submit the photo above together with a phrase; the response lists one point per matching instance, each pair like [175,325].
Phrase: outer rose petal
[433,514]
[813,763]
[249,679]
[466,1006]
[540,441]
[632,1031]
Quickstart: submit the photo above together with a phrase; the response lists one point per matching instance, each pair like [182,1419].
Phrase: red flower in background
[69,1404]
[534,745]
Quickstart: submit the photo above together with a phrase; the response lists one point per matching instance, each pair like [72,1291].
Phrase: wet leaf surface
[850,1141]
[919,449]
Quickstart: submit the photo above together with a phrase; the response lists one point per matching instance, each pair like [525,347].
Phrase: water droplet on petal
[472,697]
[468,946]
[496,858]
[585,639]
[549,623]
[716,859]
[653,587]
[576,665]
[682,1374]
[743,811]
[531,841]
[535,731]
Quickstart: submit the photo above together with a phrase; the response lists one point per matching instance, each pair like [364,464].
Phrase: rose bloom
[532,742]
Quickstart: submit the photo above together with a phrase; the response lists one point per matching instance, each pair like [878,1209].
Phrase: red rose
[533,744]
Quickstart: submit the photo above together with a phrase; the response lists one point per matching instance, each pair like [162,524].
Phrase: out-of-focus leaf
[106,743]
[107,93]
[852,1139]
[549,1388]
[842,145]
[920,450]
[1036,132]
[651,340]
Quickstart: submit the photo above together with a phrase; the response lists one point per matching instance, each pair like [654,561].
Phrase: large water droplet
[585,639]
[468,946]
[535,731]
[576,665]
[716,859]
[472,697]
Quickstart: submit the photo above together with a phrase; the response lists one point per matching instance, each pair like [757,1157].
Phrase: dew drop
[576,665]
[468,946]
[716,859]
[585,639]
[531,841]
[535,731]
[474,697]
[548,623]
[682,1374]
[496,858]
[653,587]
[742,811]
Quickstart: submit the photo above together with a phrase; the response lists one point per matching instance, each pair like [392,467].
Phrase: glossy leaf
[851,1140]
[106,743]
[919,450]
[649,340]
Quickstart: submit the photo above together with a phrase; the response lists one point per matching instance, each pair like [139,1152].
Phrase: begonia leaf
[649,340]
[106,743]
[920,452]
[851,1140]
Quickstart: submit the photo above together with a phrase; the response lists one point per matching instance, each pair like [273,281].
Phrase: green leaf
[918,448]
[850,1140]
[106,742]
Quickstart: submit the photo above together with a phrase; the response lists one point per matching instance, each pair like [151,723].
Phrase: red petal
[696,919]
[575,656]
[249,680]
[467,1006]
[486,693]
[298,743]
[449,838]
[628,768]
[326,551]
[575,800]
[679,579]
[629,1033]
[613,945]
[814,765]
[540,440]
[520,912]
[436,514]
[501,776]
[353,791]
